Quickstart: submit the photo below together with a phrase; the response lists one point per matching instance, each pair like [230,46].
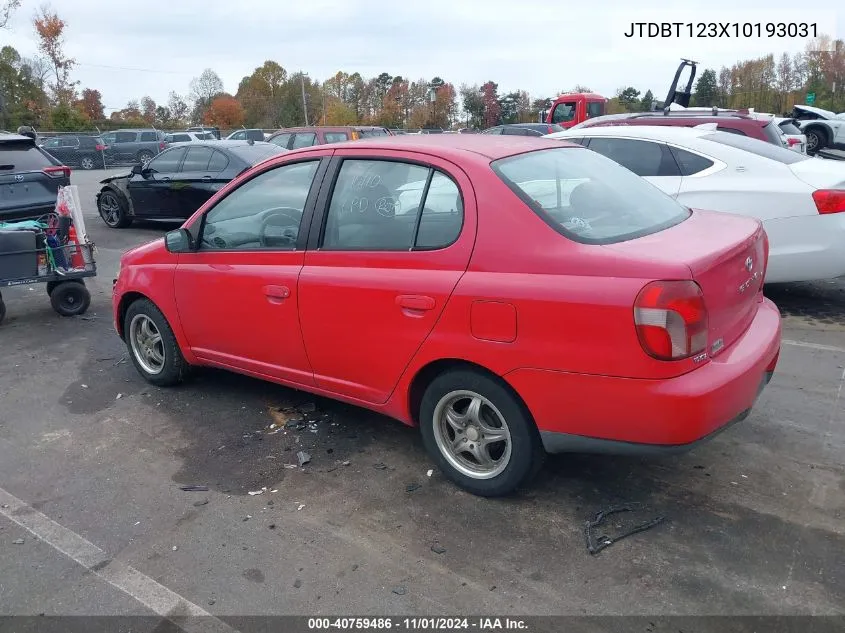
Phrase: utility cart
[47,251]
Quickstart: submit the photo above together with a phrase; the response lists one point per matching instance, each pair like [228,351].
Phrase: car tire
[816,140]
[87,163]
[113,209]
[479,403]
[70,298]
[145,156]
[152,345]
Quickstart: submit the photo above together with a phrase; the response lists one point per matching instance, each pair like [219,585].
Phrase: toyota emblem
[749,264]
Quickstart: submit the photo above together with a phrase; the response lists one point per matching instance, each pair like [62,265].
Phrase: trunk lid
[725,254]
[820,173]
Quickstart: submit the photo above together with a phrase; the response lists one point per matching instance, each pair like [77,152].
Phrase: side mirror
[178,241]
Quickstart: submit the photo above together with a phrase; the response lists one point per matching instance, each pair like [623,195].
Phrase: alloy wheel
[147,344]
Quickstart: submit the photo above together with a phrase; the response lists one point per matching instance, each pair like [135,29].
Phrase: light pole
[302,76]
[432,97]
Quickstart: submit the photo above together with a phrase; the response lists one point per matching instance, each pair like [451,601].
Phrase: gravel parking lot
[93,459]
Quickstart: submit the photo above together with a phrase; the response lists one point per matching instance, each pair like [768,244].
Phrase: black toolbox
[23,264]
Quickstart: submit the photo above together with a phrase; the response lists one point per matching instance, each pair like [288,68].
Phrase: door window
[238,136]
[336,137]
[197,159]
[108,138]
[644,158]
[493,130]
[263,213]
[595,108]
[167,162]
[69,141]
[148,136]
[376,206]
[304,140]
[52,143]
[564,112]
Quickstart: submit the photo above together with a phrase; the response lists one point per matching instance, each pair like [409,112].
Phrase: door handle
[276,294]
[206,178]
[417,303]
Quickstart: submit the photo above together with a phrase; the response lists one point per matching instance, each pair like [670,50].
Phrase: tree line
[41,92]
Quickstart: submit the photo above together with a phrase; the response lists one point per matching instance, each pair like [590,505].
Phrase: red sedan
[511,298]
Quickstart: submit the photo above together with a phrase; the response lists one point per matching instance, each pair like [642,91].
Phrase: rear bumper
[805,248]
[606,414]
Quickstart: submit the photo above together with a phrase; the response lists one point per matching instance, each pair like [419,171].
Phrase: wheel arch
[822,129]
[428,372]
[127,300]
[120,193]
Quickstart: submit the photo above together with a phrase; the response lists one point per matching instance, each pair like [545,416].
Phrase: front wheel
[113,210]
[70,298]
[815,141]
[87,162]
[153,346]
[145,156]
[479,433]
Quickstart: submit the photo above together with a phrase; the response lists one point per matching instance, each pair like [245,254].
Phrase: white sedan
[801,200]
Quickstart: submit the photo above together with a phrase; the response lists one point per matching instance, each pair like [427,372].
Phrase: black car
[79,150]
[178,181]
[524,129]
[29,179]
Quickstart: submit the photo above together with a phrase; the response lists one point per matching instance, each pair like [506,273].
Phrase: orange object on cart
[74,250]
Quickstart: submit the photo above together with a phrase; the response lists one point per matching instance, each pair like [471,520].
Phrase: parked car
[762,128]
[524,129]
[296,137]
[464,299]
[795,139]
[245,135]
[29,179]
[799,199]
[201,129]
[134,146]
[824,129]
[188,137]
[178,181]
[78,150]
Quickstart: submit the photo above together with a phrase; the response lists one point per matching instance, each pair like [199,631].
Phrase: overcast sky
[131,49]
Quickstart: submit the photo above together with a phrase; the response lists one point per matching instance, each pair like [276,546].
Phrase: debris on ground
[399,590]
[4,506]
[380,466]
[308,407]
[273,490]
[119,396]
[346,463]
[84,386]
[301,505]
[297,583]
[18,541]
[252,493]
[291,466]
[595,545]
[412,487]
[272,526]
[211,602]
[430,472]
[247,517]
[194,488]
[303,458]
[200,503]
[175,547]
[438,549]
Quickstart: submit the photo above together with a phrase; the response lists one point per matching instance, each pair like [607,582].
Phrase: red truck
[574,107]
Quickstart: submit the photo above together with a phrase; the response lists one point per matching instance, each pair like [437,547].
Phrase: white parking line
[826,348]
[129,580]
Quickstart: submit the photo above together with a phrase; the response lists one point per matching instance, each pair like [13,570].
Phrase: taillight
[58,171]
[101,148]
[829,200]
[550,130]
[162,145]
[793,141]
[671,319]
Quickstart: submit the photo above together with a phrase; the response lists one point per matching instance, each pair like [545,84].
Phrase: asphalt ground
[92,459]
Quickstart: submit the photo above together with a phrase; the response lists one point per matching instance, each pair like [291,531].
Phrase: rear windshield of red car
[588,198]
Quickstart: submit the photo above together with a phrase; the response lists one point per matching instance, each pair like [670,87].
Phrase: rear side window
[442,214]
[690,163]
[595,108]
[773,133]
[304,139]
[644,158]
[149,136]
[69,141]
[281,140]
[219,161]
[755,146]
[588,198]
[788,127]
[168,161]
[125,137]
[197,159]
[731,130]
[370,133]
[336,137]
[16,157]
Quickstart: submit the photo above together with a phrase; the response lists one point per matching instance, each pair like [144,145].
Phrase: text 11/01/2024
[722,29]
[480,624]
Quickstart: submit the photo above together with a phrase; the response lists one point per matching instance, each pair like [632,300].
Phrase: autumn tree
[7,7]
[490,99]
[163,118]
[91,104]
[148,110]
[261,92]
[50,29]
[177,107]
[524,113]
[473,105]
[508,107]
[203,89]
[224,112]
[23,100]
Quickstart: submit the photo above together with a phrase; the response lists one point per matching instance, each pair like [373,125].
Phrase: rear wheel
[70,298]
[479,433]
[145,156]
[87,162]
[816,140]
[153,346]
[113,209]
